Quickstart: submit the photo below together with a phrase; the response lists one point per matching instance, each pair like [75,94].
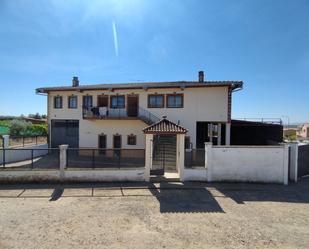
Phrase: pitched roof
[164,126]
[145,85]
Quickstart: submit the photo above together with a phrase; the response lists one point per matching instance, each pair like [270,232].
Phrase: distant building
[35,120]
[303,131]
[287,132]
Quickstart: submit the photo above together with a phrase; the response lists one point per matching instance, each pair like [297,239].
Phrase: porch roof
[164,126]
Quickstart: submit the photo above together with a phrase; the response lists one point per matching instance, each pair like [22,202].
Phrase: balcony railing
[147,116]
[101,113]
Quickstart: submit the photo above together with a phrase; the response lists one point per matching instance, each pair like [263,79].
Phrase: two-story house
[115,115]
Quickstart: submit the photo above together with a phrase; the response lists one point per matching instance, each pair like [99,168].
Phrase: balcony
[120,113]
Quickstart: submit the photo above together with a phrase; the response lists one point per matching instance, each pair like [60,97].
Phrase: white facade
[209,104]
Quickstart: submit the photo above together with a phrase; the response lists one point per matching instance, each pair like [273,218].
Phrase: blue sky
[264,43]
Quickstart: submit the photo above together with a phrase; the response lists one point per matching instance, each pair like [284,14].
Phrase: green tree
[19,127]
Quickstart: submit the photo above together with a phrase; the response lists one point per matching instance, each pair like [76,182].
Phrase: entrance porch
[165,147]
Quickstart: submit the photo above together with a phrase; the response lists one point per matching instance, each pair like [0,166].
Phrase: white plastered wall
[248,163]
[200,104]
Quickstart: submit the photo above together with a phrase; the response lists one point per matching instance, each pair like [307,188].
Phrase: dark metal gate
[163,154]
[65,132]
[303,160]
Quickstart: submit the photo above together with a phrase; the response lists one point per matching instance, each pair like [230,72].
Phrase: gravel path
[170,216]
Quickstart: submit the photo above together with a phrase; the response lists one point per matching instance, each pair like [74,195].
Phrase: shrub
[37,130]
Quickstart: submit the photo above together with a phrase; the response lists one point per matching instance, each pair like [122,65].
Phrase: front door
[117,145]
[132,106]
[102,101]
[102,144]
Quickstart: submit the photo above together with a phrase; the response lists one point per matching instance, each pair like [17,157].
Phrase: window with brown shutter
[174,100]
[58,102]
[155,101]
[72,102]
[131,139]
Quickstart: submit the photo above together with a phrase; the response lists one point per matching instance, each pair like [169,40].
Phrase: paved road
[157,215]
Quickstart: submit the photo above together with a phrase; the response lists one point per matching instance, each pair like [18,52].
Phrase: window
[87,101]
[72,102]
[102,144]
[155,101]
[58,102]
[175,101]
[117,101]
[131,139]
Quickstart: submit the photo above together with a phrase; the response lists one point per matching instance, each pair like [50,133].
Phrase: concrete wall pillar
[227,133]
[293,162]
[63,159]
[219,134]
[181,155]
[208,160]
[6,141]
[286,165]
[148,156]
[210,128]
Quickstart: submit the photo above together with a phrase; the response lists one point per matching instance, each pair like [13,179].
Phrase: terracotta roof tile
[164,126]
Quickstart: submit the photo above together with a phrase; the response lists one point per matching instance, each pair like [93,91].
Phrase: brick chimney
[75,81]
[201,76]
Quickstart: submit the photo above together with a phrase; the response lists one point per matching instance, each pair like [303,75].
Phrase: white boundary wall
[93,175]
[195,174]
[24,153]
[267,164]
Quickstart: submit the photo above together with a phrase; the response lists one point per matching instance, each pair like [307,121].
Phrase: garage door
[64,132]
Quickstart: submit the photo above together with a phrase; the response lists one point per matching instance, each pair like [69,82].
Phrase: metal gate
[65,132]
[303,160]
[163,154]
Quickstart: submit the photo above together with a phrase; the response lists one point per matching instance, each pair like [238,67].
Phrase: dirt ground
[161,215]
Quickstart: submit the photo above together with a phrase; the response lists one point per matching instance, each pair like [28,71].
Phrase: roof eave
[234,84]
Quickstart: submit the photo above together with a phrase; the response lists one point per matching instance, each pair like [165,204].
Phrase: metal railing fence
[194,158]
[105,158]
[22,141]
[22,158]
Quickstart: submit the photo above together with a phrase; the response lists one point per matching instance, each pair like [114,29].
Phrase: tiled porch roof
[164,126]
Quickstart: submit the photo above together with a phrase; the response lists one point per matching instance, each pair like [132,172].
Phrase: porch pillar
[148,156]
[181,155]
[227,133]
